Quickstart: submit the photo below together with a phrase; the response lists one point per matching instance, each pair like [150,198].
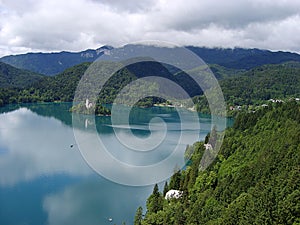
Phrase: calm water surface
[43,180]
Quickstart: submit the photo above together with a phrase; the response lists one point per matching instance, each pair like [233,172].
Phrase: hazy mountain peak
[236,58]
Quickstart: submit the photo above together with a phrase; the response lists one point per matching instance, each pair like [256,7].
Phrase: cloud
[228,14]
[29,25]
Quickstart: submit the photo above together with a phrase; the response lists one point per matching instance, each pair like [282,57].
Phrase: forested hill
[254,180]
[11,77]
[253,87]
[262,83]
[58,88]
[257,86]
[62,86]
[48,89]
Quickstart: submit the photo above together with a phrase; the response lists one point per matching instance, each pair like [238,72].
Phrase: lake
[44,178]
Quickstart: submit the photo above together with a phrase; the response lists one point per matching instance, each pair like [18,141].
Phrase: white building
[208,146]
[88,104]
[173,194]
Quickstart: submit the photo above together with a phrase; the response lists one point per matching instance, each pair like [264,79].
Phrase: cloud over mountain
[55,25]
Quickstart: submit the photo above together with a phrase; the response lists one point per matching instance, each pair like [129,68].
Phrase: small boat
[110,219]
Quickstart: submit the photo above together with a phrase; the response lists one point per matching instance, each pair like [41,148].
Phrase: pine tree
[166,189]
[138,216]
[155,201]
[175,181]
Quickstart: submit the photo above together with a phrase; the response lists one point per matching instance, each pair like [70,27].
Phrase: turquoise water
[45,180]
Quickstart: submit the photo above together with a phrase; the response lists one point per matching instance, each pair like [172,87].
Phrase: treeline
[11,77]
[255,178]
[62,87]
[48,89]
[280,81]
[255,87]
[240,88]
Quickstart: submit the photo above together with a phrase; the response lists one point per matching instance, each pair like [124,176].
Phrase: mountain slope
[240,58]
[52,63]
[254,180]
[57,88]
[255,87]
[239,87]
[62,86]
[237,58]
[13,77]
[263,83]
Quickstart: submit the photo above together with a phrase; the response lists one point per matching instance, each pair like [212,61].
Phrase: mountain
[240,86]
[11,77]
[221,72]
[53,63]
[255,178]
[236,58]
[240,58]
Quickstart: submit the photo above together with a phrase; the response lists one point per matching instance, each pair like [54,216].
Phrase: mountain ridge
[52,63]
[236,58]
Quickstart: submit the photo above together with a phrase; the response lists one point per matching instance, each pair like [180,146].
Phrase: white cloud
[29,25]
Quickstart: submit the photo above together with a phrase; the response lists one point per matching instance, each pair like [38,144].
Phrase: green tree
[155,201]
[166,189]
[138,216]
[254,180]
[175,181]
[179,215]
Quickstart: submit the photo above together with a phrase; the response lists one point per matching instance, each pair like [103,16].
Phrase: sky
[55,25]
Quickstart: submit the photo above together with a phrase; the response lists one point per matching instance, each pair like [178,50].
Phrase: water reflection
[43,180]
[32,146]
[94,202]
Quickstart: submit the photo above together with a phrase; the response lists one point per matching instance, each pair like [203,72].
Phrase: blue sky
[32,26]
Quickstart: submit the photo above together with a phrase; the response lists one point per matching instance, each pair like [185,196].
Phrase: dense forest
[61,88]
[11,77]
[46,89]
[240,88]
[280,81]
[254,180]
[251,89]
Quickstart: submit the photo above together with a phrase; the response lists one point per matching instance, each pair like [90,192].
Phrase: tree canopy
[254,180]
